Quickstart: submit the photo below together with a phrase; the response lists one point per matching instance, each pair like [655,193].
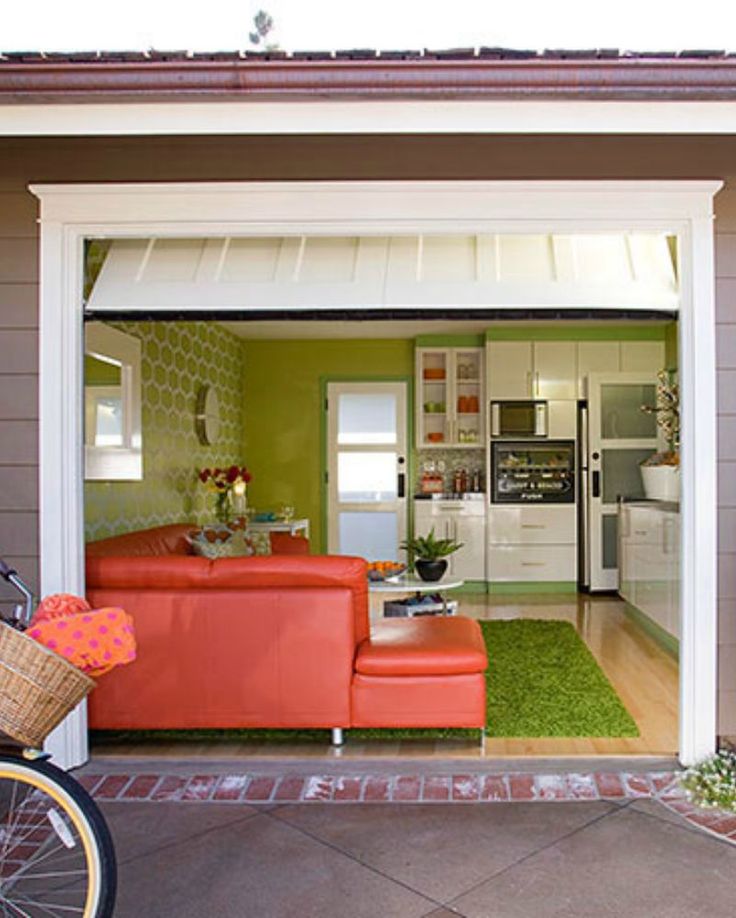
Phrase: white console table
[293,527]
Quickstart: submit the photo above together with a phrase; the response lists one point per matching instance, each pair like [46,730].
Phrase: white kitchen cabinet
[642,356]
[555,369]
[463,521]
[450,397]
[596,357]
[510,369]
[534,370]
[649,561]
[562,419]
[518,525]
[532,563]
[532,544]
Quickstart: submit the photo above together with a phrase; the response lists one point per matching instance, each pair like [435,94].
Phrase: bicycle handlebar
[6,571]
[22,613]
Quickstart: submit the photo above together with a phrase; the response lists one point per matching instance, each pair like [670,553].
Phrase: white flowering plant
[712,783]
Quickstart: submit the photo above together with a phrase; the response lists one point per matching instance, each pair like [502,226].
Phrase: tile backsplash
[469,459]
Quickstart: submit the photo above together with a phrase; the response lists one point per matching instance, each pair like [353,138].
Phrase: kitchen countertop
[667,506]
[449,495]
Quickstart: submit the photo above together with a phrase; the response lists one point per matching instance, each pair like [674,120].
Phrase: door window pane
[370,535]
[366,477]
[366,418]
[621,414]
[621,473]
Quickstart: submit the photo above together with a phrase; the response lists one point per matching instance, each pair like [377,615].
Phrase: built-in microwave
[516,420]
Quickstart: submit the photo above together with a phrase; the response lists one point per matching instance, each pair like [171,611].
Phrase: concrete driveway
[597,859]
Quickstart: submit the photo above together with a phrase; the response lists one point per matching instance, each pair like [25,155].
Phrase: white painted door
[620,436]
[367,475]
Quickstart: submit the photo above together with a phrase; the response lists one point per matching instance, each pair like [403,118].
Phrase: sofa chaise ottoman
[282,641]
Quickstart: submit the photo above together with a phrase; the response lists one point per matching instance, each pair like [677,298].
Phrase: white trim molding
[72,213]
[362,117]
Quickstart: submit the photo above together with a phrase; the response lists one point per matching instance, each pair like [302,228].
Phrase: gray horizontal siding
[725,252]
[18,304]
[19,387]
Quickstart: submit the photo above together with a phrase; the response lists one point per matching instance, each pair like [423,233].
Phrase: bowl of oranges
[382,570]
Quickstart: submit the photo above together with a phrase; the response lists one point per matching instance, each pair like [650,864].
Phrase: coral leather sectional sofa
[276,641]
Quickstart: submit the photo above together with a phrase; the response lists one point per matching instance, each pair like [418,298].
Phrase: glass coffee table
[422,592]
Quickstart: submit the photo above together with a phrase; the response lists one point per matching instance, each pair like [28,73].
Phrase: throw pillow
[259,542]
[219,542]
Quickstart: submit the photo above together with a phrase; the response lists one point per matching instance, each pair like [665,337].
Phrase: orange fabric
[282,543]
[58,604]
[162,541]
[423,646]
[419,701]
[279,572]
[159,541]
[231,658]
[95,641]
[266,642]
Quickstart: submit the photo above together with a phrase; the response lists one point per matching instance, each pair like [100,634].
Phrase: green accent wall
[177,358]
[563,331]
[284,412]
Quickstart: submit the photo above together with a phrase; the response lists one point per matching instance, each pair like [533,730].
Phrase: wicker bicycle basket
[38,688]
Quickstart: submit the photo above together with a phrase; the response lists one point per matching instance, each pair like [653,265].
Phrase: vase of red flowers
[229,486]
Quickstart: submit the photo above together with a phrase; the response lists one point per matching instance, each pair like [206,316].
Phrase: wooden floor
[644,675]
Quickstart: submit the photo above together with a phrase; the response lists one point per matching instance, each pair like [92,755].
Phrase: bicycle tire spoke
[67,909]
[16,809]
[18,912]
[56,855]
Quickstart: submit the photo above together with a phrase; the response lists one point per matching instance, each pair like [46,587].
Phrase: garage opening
[514,396]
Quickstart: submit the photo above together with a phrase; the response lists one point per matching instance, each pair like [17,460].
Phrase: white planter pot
[661,482]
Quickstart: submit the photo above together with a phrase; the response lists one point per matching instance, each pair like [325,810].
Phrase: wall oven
[540,473]
[515,420]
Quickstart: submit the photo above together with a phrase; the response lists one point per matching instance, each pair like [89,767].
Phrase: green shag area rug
[542,681]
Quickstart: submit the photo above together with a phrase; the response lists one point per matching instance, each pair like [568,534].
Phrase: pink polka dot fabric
[94,640]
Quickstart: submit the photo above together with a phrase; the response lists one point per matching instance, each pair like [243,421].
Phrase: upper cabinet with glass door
[450,397]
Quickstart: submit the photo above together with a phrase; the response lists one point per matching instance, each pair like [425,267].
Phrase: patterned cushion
[220,542]
[260,542]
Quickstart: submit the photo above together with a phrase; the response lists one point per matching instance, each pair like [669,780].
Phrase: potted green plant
[428,555]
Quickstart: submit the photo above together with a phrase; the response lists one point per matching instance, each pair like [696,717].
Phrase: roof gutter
[53,81]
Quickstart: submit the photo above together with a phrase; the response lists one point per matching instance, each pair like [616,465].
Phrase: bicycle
[56,853]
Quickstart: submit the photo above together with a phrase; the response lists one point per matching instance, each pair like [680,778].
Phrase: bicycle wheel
[56,853]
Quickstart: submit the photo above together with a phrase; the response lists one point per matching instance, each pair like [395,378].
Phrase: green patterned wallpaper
[178,357]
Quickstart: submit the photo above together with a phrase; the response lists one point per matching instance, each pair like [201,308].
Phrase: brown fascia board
[114,79]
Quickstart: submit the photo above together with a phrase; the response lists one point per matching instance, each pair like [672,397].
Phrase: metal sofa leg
[338,737]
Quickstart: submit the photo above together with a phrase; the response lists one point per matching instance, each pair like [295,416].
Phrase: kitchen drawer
[531,562]
[443,509]
[532,525]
